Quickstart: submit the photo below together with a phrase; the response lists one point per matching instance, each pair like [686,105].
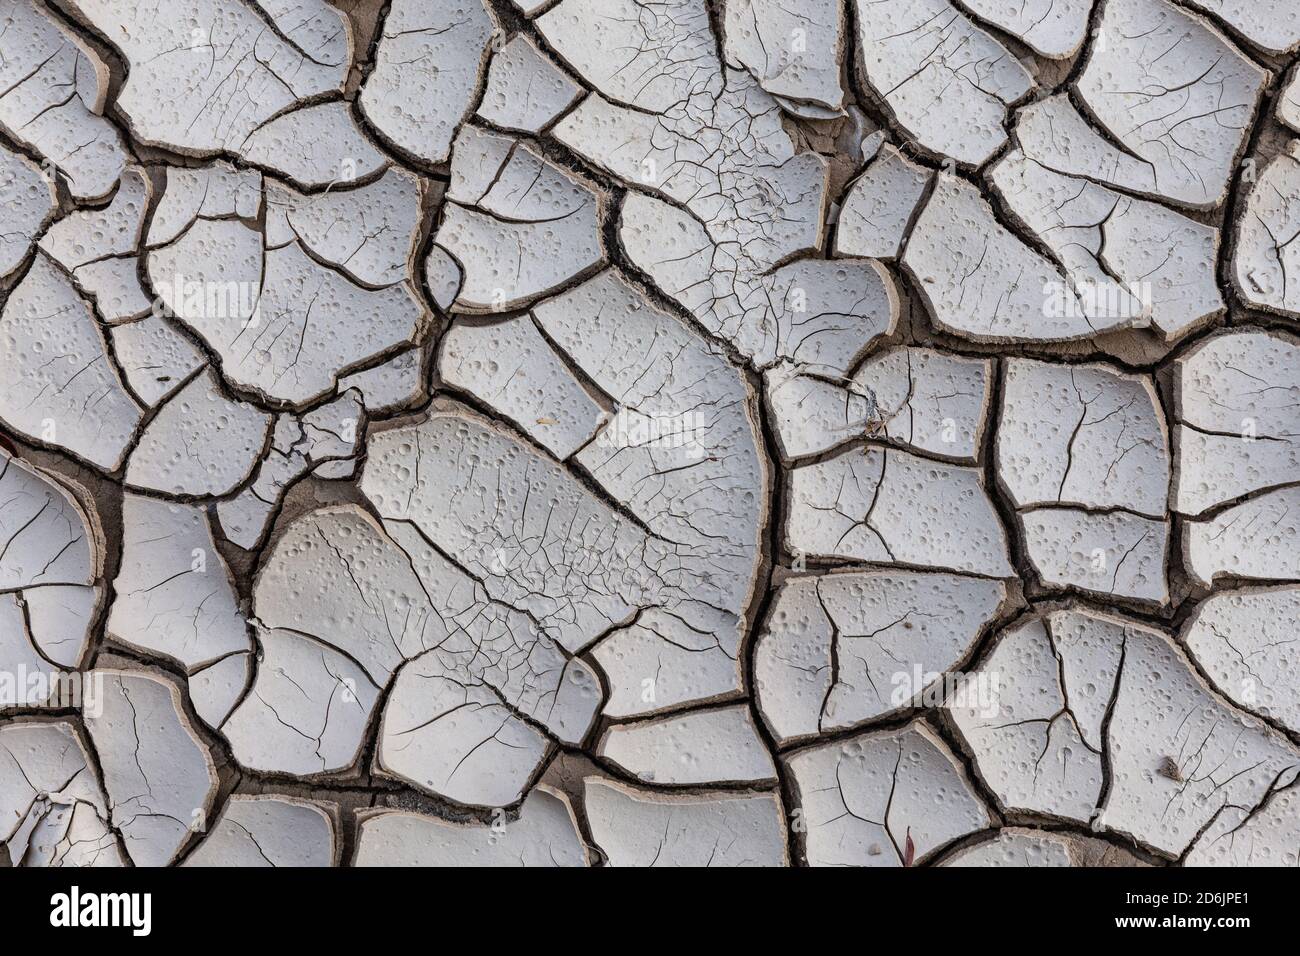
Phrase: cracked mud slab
[610,433]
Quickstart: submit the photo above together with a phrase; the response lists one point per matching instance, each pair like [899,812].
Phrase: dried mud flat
[613,432]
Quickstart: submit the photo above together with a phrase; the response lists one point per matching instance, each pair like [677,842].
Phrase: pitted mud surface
[614,432]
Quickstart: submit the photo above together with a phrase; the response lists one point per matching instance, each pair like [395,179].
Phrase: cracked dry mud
[612,432]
